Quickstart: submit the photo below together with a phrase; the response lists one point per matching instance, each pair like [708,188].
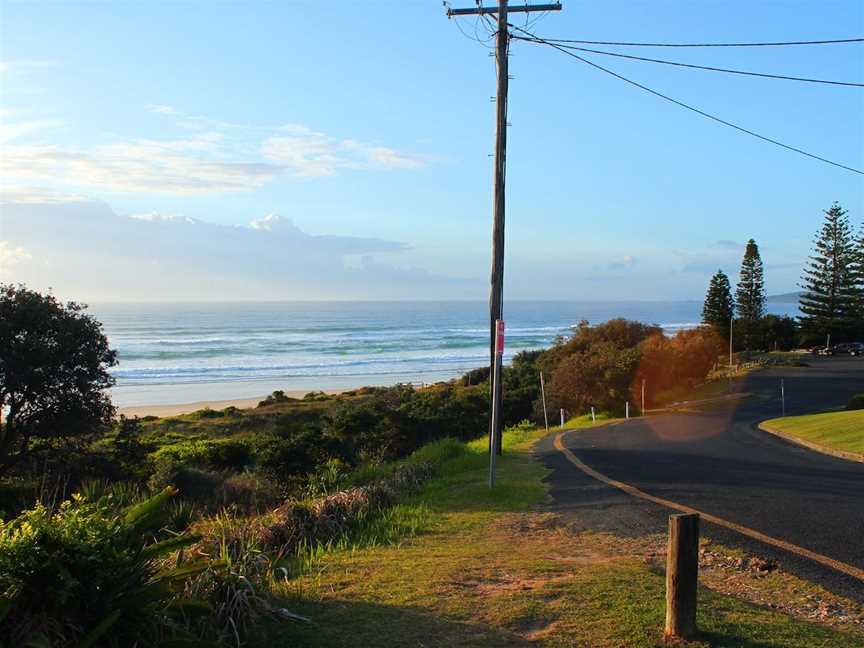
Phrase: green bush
[194,483]
[276,397]
[88,574]
[210,453]
[856,402]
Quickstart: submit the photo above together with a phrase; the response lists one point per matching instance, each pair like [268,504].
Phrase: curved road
[719,463]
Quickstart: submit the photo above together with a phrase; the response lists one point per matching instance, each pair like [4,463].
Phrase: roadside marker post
[593,417]
[494,439]
[783,395]
[562,418]
[627,409]
[682,570]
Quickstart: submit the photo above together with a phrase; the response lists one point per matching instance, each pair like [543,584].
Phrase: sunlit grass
[460,564]
[837,430]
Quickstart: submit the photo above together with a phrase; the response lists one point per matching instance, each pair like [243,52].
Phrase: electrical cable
[698,67]
[767,44]
[691,108]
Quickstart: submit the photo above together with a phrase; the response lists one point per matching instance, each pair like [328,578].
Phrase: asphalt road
[718,462]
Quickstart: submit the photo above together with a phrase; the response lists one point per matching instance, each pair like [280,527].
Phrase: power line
[698,67]
[775,44]
[692,108]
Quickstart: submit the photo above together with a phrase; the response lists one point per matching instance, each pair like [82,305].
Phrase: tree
[719,307]
[750,294]
[832,292]
[779,333]
[54,362]
[858,279]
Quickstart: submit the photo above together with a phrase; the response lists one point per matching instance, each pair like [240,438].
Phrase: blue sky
[374,121]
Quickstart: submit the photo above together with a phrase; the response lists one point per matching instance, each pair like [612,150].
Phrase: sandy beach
[184,408]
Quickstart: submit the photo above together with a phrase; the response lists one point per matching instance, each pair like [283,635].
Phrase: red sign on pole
[499,336]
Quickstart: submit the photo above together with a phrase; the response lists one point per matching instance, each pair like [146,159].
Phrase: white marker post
[562,417]
[783,395]
[627,409]
[496,414]
[593,418]
[543,394]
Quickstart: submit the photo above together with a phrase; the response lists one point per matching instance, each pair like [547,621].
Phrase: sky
[319,150]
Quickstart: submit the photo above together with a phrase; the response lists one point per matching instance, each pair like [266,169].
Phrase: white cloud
[204,162]
[267,223]
[624,262]
[158,217]
[162,109]
[10,256]
[190,166]
[11,131]
[86,251]
[307,153]
[22,195]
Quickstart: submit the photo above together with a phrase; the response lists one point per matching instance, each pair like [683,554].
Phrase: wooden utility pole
[496,295]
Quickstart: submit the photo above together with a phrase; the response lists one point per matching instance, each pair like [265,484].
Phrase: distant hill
[785,298]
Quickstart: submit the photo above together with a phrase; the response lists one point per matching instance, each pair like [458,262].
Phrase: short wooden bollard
[682,568]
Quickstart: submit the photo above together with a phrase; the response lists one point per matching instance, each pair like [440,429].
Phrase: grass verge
[487,568]
[842,431]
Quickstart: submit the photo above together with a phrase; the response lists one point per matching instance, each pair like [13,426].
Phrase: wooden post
[682,569]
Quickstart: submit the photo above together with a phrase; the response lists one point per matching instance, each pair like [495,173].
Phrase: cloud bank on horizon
[83,250]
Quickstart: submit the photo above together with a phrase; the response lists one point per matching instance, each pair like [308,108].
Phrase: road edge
[801,552]
[839,454]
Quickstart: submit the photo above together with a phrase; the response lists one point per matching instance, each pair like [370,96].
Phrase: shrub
[194,483]
[209,453]
[277,396]
[856,402]
[437,453]
[206,413]
[86,572]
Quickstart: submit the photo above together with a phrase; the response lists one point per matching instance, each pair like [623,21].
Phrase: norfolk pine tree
[719,307]
[858,278]
[750,294]
[831,301]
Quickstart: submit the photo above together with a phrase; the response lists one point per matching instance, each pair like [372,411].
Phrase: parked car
[820,350]
[852,348]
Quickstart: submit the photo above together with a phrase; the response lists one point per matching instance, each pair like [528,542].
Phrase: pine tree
[858,281]
[831,281]
[719,307]
[750,294]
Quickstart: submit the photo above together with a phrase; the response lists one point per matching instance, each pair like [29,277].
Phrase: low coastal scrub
[90,573]
[98,570]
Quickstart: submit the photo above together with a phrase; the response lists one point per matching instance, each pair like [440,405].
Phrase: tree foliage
[832,280]
[719,306]
[603,366]
[54,362]
[750,294]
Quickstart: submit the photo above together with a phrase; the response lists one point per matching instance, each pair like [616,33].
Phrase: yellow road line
[851,570]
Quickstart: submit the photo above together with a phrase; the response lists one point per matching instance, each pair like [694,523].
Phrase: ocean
[188,352]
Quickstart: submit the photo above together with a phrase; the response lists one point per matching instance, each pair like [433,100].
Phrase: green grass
[837,430]
[462,565]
